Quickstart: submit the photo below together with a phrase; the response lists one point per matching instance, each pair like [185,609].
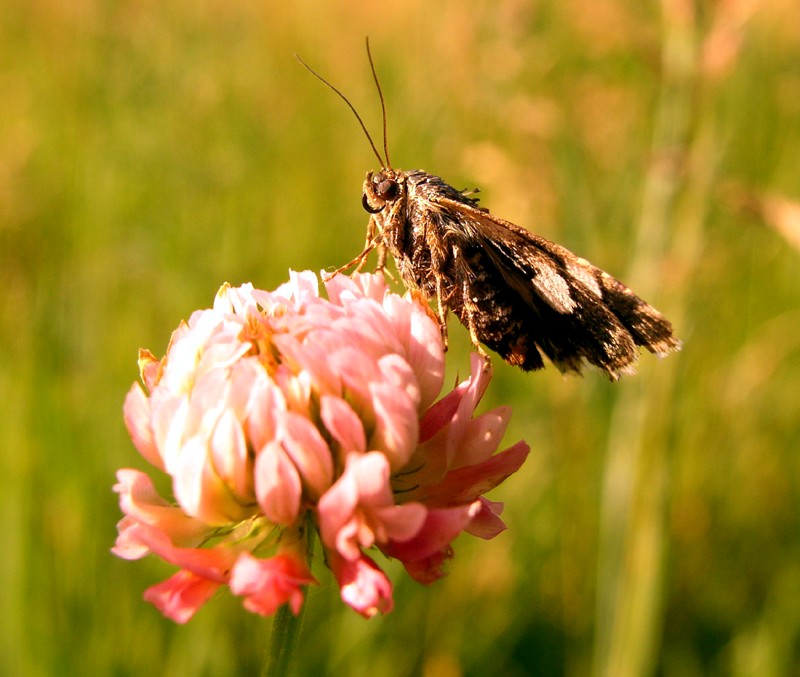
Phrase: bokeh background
[151,150]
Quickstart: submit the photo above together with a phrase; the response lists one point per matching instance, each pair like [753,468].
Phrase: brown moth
[517,293]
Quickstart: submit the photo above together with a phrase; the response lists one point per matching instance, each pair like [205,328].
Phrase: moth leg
[470,311]
[357,260]
[441,307]
[375,241]
[372,241]
[380,266]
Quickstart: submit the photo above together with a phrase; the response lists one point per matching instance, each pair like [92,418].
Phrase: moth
[518,294]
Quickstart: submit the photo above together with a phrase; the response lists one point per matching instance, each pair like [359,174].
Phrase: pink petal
[396,372]
[186,349]
[278,486]
[236,300]
[229,453]
[348,512]
[149,369]
[136,412]
[487,523]
[308,451]
[464,485]
[482,436]
[169,415]
[211,563]
[181,595]
[342,287]
[139,500]
[199,489]
[472,394]
[343,424]
[224,352]
[396,424]
[429,569]
[362,584]
[336,507]
[400,522]
[208,396]
[128,546]
[311,357]
[266,402]
[303,286]
[356,370]
[440,414]
[242,381]
[440,528]
[295,388]
[422,342]
[317,321]
[366,327]
[358,511]
[266,584]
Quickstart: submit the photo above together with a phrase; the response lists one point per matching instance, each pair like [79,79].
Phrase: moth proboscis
[517,293]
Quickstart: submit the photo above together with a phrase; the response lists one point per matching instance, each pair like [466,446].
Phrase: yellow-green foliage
[151,150]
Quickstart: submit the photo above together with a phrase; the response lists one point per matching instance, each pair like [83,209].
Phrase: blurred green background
[150,151]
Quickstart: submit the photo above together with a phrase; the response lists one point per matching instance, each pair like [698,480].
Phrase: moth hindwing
[517,293]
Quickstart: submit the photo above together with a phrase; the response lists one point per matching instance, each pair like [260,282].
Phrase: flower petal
[362,584]
[487,523]
[308,451]
[396,423]
[278,486]
[342,287]
[137,415]
[180,596]
[343,424]
[422,342]
[358,511]
[482,436]
[229,454]
[266,404]
[149,369]
[211,563]
[200,491]
[266,584]
[464,485]
[441,527]
[140,501]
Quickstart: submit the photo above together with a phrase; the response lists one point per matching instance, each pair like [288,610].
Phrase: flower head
[273,411]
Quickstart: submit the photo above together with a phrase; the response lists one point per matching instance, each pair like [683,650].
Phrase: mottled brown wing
[525,295]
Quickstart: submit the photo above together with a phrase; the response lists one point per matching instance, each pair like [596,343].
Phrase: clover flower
[275,413]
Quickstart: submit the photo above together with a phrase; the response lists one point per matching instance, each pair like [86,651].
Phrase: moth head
[379,190]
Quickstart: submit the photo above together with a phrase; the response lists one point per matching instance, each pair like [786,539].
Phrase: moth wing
[577,311]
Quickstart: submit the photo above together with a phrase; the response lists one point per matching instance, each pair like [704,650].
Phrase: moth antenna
[383,105]
[383,164]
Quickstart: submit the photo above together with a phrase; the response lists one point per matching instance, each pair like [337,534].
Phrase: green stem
[633,521]
[286,629]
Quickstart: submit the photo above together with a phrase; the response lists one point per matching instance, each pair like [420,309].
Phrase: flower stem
[286,628]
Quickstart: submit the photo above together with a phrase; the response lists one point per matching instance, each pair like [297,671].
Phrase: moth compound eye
[368,207]
[387,189]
